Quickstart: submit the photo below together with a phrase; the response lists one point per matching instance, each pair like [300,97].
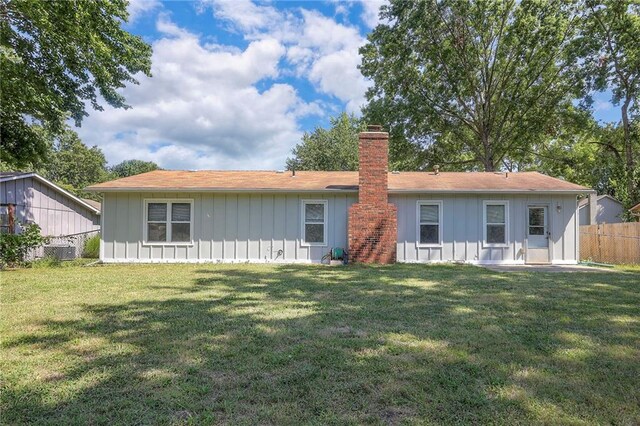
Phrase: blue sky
[237,82]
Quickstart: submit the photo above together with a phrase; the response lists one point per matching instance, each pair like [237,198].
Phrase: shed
[608,210]
[27,197]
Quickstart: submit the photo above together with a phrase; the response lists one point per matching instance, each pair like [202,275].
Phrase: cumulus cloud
[137,8]
[223,106]
[370,12]
[245,14]
[202,109]
[318,48]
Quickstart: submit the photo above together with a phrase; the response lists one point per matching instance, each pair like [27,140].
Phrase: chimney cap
[374,128]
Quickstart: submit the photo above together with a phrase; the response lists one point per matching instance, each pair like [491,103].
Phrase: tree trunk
[489,164]
[628,148]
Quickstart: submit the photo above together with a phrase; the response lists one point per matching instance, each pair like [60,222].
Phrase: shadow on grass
[292,344]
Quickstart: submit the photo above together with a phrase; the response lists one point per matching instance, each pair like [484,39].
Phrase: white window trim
[440,216]
[504,203]
[324,243]
[168,201]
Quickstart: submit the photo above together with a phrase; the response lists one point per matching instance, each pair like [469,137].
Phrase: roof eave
[271,190]
[54,186]
[336,190]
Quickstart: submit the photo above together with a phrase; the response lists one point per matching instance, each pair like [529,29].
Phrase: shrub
[92,247]
[15,247]
[46,262]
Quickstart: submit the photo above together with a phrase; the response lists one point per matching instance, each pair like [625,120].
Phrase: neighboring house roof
[11,176]
[170,180]
[94,203]
[585,201]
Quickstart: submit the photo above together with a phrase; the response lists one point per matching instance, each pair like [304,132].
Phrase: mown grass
[282,344]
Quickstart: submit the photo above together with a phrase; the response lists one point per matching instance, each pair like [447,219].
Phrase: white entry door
[538,234]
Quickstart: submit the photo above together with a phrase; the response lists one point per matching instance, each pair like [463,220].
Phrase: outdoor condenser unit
[60,252]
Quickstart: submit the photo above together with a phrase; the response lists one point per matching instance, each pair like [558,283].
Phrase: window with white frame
[496,223]
[429,223]
[314,222]
[168,221]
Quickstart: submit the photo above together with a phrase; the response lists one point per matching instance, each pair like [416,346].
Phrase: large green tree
[336,148]
[74,165]
[56,58]
[609,46]
[481,79]
[132,167]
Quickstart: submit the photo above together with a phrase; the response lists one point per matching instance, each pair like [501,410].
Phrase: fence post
[599,242]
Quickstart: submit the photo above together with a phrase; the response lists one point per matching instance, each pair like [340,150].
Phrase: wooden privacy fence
[611,242]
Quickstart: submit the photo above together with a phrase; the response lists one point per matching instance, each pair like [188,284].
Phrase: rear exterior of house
[377,216]
[30,198]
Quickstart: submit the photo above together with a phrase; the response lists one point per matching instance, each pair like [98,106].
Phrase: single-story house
[376,215]
[607,210]
[30,198]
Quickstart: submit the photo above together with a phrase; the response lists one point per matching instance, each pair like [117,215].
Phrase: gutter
[344,191]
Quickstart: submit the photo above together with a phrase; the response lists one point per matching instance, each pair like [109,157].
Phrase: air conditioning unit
[60,252]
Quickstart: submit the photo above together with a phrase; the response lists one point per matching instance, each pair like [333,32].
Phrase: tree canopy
[57,57]
[609,46]
[335,148]
[486,76]
[132,167]
[75,165]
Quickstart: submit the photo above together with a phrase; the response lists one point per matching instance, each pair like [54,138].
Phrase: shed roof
[93,206]
[585,201]
[307,181]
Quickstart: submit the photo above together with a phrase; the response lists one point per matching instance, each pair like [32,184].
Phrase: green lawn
[282,344]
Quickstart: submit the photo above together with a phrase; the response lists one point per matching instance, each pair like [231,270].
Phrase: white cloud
[245,14]
[330,73]
[318,48]
[137,8]
[370,12]
[220,106]
[342,9]
[202,109]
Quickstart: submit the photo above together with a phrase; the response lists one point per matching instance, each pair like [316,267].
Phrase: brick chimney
[373,221]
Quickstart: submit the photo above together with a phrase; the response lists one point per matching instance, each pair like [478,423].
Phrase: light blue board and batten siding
[54,212]
[228,227]
[463,228]
[255,227]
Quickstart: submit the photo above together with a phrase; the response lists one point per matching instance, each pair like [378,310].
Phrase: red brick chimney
[373,221]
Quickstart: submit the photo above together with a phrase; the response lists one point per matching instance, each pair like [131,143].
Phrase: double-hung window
[496,223]
[429,223]
[314,222]
[168,221]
